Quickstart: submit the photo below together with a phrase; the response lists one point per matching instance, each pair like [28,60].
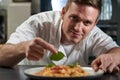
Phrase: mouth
[76,34]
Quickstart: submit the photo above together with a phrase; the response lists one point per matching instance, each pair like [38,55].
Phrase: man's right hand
[36,49]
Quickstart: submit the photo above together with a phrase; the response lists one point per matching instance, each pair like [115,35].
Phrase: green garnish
[57,57]
[51,65]
[73,65]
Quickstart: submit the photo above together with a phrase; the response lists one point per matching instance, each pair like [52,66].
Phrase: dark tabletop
[17,73]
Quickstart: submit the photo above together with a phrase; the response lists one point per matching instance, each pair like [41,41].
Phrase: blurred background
[14,12]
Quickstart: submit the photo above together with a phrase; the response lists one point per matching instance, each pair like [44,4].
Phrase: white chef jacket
[47,25]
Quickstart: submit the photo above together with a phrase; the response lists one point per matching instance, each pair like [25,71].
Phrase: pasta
[62,71]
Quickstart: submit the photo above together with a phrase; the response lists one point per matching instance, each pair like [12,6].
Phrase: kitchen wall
[4,3]
[35,6]
[15,14]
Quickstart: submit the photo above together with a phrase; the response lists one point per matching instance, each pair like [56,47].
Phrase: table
[17,73]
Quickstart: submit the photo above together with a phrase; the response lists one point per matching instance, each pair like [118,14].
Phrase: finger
[113,68]
[106,61]
[103,68]
[38,54]
[95,64]
[35,54]
[37,48]
[31,57]
[116,69]
[95,67]
[46,45]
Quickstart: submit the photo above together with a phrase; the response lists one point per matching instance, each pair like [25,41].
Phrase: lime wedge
[57,57]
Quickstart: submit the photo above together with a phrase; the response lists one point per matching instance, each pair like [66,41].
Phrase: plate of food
[61,72]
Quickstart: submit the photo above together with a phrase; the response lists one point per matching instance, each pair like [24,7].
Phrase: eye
[74,18]
[87,23]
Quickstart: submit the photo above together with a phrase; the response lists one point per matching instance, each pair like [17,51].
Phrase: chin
[75,41]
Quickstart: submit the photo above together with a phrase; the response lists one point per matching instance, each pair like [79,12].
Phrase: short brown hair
[94,3]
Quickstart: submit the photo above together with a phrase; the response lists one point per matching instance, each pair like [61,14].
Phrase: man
[72,31]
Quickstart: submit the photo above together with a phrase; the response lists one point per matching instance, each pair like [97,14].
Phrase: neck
[65,41]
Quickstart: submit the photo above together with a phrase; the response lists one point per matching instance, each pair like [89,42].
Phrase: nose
[78,27]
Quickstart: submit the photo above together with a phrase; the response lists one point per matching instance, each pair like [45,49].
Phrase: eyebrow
[79,18]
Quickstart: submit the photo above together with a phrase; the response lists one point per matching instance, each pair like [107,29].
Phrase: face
[78,21]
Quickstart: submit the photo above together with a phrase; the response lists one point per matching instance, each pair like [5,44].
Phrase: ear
[63,12]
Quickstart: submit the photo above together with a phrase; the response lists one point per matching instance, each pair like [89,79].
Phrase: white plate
[31,71]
